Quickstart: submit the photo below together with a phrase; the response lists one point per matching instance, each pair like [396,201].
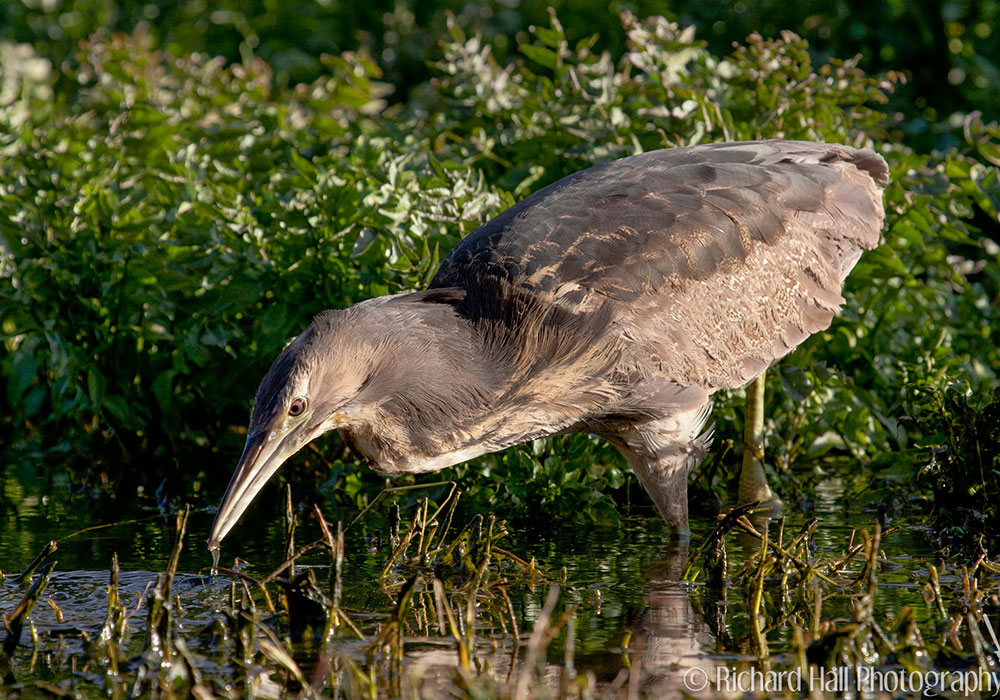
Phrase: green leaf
[549,37]
[96,386]
[163,390]
[541,55]
[990,151]
[23,374]
[144,114]
[303,166]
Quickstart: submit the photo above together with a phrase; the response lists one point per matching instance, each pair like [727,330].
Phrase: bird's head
[307,392]
[344,371]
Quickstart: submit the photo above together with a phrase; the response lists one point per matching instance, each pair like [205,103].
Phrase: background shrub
[168,220]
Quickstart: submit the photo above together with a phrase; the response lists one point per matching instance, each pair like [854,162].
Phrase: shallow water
[631,608]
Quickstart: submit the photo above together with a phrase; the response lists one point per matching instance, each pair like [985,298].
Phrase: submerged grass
[452,621]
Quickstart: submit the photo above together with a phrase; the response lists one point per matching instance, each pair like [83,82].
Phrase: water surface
[632,612]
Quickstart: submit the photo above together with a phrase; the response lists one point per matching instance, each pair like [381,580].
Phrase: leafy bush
[948,50]
[171,221]
[170,228]
[962,431]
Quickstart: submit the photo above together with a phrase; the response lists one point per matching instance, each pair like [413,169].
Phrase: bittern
[615,301]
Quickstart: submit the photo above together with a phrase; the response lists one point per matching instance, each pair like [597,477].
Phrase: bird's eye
[297,407]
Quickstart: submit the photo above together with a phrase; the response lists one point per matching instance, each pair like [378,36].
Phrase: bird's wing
[716,259]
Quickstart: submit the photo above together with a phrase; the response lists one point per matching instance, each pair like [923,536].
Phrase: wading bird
[615,301]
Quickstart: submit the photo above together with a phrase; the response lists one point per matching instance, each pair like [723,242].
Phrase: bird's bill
[261,458]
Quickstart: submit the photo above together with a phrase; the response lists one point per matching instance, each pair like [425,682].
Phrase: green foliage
[169,222]
[166,231]
[567,107]
[963,431]
[947,50]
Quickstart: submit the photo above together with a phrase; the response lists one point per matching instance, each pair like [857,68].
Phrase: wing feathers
[716,260]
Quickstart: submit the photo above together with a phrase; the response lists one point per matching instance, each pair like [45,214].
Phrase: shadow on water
[414,604]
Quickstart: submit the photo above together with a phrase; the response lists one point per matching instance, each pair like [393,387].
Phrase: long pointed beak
[260,460]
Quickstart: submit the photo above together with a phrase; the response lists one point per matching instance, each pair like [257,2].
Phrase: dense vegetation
[949,49]
[169,219]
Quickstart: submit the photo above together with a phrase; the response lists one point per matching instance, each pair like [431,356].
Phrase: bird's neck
[439,394]
[428,384]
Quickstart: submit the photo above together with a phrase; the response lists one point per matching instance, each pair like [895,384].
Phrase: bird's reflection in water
[667,651]
[672,642]
[679,645]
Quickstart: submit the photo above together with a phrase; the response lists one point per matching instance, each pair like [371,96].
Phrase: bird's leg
[753,480]
[662,453]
